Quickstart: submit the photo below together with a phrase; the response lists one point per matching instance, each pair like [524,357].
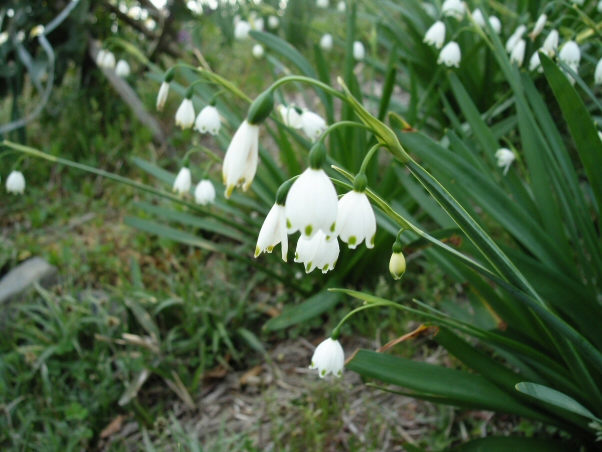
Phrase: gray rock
[33,270]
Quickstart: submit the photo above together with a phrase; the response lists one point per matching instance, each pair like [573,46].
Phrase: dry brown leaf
[113,427]
[248,375]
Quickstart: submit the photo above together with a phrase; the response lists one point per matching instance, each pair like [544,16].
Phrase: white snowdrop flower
[242,29]
[435,35]
[162,96]
[453,8]
[397,265]
[100,57]
[122,69]
[450,55]
[326,42]
[341,6]
[575,69]
[518,53]
[550,44]
[430,9]
[204,192]
[258,51]
[505,157]
[312,204]
[3,37]
[185,114]
[290,116]
[108,62]
[570,53]
[322,3]
[208,120]
[273,21]
[317,252]
[313,124]
[516,36]
[20,36]
[477,15]
[36,31]
[359,52]
[538,28]
[256,21]
[599,7]
[496,24]
[183,181]
[329,357]
[240,162]
[273,232]
[355,220]
[598,73]
[535,63]
[15,182]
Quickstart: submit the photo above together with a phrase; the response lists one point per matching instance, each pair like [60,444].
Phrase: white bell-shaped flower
[598,73]
[273,232]
[108,62]
[208,120]
[20,36]
[478,17]
[256,21]
[185,114]
[450,55]
[599,6]
[326,42]
[453,8]
[341,6]
[518,53]
[242,29]
[273,22]
[258,51]
[183,181]
[516,36]
[15,182]
[430,9]
[4,38]
[570,53]
[539,25]
[162,96]
[550,44]
[317,252]
[496,24]
[397,265]
[504,157]
[359,52]
[355,220]
[329,357]
[290,116]
[535,63]
[240,162]
[312,204]
[313,124]
[100,56]
[204,192]
[322,3]
[435,35]
[122,69]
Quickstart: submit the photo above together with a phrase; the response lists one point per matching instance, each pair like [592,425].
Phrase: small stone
[20,278]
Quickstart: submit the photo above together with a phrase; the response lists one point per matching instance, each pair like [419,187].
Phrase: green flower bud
[169,75]
[317,155]
[261,108]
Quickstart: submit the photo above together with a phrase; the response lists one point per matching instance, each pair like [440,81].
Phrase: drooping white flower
[3,37]
[258,51]
[516,36]
[430,9]
[208,120]
[600,135]
[505,157]
[575,69]
[15,182]
[397,265]
[20,36]
[185,114]
[322,3]
[355,220]
[453,8]
[477,15]
[535,63]
[496,24]
[312,204]
[598,73]
[341,6]
[570,53]
[599,7]
[538,28]
[183,181]
[256,21]
[550,44]
[122,69]
[242,29]
[273,232]
[273,21]
[204,192]
[359,52]
[518,53]
[290,116]
[100,57]
[450,55]
[329,357]
[36,31]
[240,162]
[108,62]
[162,96]
[435,35]
[313,124]
[326,42]
[317,252]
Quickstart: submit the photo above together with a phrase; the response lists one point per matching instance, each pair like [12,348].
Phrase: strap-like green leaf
[554,397]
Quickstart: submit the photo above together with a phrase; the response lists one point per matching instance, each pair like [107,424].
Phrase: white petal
[240,162]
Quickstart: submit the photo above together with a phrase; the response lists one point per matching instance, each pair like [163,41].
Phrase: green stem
[337,329]
[336,125]
[367,158]
[311,81]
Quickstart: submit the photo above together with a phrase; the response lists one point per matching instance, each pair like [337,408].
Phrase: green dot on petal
[308,229]
[352,240]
